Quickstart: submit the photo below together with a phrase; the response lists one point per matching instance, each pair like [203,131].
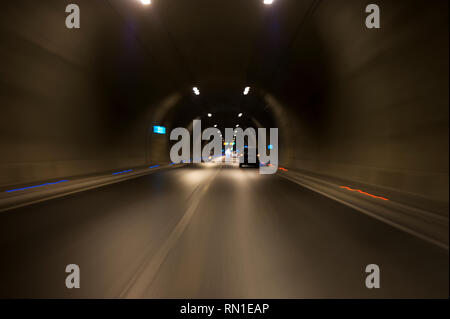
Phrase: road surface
[210,231]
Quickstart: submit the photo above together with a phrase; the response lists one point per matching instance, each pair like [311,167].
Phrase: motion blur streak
[250,235]
[123,172]
[360,191]
[29,187]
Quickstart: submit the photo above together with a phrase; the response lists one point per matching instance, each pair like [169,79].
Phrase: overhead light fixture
[146,2]
[209,115]
[240,115]
[268,1]
[215,125]
[237,125]
[196,90]
[246,90]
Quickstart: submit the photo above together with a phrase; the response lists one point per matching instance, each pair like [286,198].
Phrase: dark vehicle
[250,159]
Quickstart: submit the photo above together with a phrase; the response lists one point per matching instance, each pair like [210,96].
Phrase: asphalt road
[210,231]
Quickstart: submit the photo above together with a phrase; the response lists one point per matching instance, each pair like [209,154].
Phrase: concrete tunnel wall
[364,105]
[369,106]
[74,102]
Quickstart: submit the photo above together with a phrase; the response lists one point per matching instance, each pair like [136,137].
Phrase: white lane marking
[369,213]
[143,278]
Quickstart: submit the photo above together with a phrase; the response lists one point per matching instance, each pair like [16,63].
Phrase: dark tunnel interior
[367,106]
[362,105]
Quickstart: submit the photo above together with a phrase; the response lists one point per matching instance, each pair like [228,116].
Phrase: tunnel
[362,175]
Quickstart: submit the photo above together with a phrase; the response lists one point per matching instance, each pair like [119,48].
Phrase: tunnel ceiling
[220,47]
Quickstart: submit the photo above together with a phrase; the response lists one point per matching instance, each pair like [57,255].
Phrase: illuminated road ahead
[210,231]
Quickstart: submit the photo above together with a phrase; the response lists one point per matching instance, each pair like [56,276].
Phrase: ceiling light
[209,115]
[146,2]
[196,90]
[215,125]
[240,114]
[268,1]
[246,90]
[237,125]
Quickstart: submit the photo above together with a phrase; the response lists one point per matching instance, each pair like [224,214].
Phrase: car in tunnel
[249,158]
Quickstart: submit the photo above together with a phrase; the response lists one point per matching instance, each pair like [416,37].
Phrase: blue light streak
[46,184]
[123,172]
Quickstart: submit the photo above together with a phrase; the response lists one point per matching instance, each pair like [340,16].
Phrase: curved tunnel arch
[337,91]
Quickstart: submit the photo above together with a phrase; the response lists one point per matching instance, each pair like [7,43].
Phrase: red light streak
[360,191]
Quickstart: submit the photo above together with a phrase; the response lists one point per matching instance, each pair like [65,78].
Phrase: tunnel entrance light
[146,2]
[247,90]
[159,129]
[196,90]
[240,115]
